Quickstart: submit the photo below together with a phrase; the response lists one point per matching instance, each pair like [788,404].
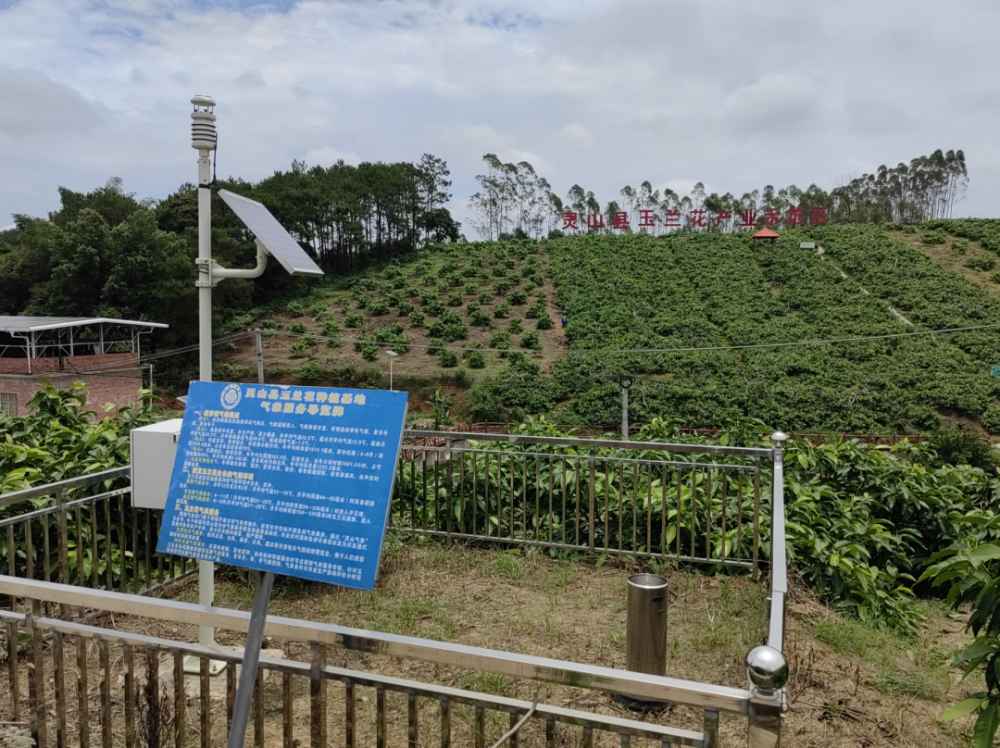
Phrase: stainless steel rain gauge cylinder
[646,632]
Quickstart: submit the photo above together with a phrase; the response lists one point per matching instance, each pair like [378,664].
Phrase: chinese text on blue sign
[294,480]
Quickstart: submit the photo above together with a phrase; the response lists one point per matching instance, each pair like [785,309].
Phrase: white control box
[153,450]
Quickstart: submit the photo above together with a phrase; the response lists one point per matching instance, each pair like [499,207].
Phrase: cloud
[35,105]
[597,92]
[328,156]
[577,134]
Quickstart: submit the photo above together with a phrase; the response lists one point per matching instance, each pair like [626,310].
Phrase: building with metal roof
[101,352]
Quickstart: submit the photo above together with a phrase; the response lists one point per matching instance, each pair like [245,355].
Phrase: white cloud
[602,93]
[328,156]
[577,134]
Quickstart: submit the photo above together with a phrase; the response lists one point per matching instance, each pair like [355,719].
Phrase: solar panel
[271,234]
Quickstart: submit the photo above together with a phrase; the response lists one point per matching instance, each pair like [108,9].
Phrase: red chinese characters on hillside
[700,218]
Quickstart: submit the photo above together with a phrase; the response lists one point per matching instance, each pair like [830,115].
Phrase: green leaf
[982,553]
[986,727]
[966,706]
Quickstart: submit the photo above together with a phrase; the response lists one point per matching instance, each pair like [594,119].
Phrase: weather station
[150,443]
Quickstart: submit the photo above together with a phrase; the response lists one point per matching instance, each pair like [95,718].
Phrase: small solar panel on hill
[271,234]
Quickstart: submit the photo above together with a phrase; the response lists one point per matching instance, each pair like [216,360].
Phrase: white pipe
[220,272]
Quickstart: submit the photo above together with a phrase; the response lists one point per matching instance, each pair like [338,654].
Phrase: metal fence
[875,440]
[702,503]
[686,502]
[98,540]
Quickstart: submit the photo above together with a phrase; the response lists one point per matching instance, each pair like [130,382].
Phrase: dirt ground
[850,685]
[952,258]
[415,365]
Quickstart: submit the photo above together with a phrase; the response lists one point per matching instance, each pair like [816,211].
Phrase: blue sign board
[294,480]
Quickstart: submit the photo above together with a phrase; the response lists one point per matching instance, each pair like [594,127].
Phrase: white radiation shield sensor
[278,242]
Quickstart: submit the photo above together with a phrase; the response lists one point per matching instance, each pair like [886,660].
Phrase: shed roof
[19,324]
[765,234]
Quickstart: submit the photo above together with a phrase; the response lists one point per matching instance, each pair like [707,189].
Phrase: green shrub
[514,279]
[379,308]
[517,297]
[933,237]
[515,326]
[472,306]
[448,358]
[500,340]
[537,279]
[311,372]
[957,446]
[269,323]
[298,328]
[535,311]
[985,262]
[991,418]
[485,297]
[404,309]
[479,318]
[428,297]
[544,322]
[370,351]
[296,308]
[469,289]
[330,328]
[499,271]
[417,318]
[353,319]
[531,341]
[230,372]
[500,288]
[476,359]
[449,327]
[410,289]
[435,308]
[455,299]
[434,346]
[302,344]
[361,301]
[501,310]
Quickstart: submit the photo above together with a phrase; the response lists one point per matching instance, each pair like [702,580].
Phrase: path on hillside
[895,312]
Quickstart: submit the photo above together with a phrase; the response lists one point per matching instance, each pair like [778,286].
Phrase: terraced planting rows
[691,290]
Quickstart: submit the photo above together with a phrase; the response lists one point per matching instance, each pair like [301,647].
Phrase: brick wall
[120,388]
[69,363]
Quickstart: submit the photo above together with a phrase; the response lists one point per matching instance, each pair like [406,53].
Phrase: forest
[105,253]
[515,200]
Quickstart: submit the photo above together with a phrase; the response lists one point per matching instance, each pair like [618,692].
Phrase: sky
[601,93]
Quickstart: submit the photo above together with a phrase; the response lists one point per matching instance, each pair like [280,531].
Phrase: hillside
[677,291]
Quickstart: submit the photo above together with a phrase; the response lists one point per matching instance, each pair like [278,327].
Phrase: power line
[577,351]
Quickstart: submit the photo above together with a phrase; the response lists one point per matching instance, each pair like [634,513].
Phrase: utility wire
[107,369]
[587,351]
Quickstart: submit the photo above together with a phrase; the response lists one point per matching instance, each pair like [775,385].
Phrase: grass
[850,685]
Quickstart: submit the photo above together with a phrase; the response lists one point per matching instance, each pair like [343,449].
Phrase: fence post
[260,357]
[63,522]
[768,674]
[590,514]
[36,673]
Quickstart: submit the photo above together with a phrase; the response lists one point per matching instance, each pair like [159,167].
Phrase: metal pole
[625,414]
[251,658]
[206,569]
[150,379]
[260,358]
[390,375]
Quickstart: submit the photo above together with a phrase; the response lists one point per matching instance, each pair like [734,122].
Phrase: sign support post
[251,659]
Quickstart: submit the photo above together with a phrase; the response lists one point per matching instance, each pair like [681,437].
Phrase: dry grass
[851,686]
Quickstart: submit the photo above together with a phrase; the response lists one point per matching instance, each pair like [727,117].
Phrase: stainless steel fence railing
[647,499]
[588,495]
